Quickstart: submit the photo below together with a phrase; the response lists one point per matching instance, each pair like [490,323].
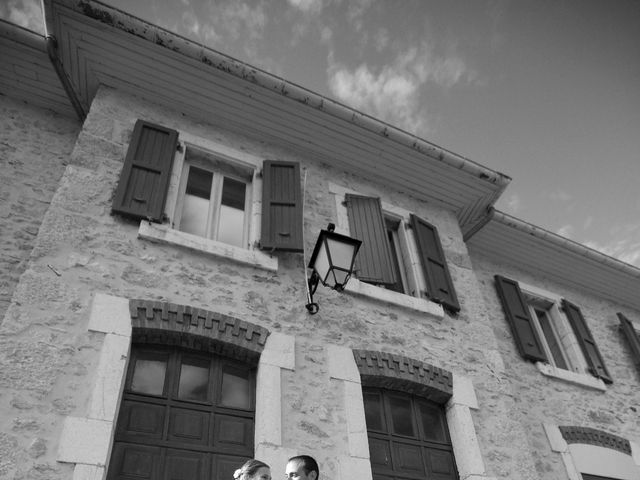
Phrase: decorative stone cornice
[195,328]
[592,436]
[395,372]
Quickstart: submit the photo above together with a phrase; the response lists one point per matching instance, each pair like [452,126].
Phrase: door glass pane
[148,376]
[373,412]
[194,381]
[195,207]
[431,419]
[401,420]
[231,226]
[236,390]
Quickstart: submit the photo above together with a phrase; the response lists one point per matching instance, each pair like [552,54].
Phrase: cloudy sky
[545,91]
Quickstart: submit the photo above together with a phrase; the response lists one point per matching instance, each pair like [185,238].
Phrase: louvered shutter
[142,189]
[632,338]
[374,263]
[281,207]
[519,318]
[586,341]
[434,264]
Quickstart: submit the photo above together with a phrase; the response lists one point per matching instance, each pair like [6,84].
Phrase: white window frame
[578,372]
[237,160]
[413,276]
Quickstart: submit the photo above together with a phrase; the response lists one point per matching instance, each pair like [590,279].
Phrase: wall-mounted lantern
[331,263]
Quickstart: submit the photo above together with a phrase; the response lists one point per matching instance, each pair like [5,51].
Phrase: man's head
[302,467]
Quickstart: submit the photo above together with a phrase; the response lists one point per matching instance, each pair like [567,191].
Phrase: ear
[313,475]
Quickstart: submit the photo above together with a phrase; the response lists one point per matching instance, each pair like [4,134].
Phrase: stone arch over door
[354,368]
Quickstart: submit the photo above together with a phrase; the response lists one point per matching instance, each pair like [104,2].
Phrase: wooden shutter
[632,338]
[142,189]
[586,341]
[281,207]
[374,263]
[518,316]
[434,264]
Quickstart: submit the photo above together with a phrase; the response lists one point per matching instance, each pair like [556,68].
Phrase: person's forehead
[295,466]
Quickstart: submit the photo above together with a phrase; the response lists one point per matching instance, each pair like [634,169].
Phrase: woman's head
[253,470]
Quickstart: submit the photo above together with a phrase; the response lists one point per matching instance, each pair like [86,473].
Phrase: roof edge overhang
[564,243]
[508,238]
[211,59]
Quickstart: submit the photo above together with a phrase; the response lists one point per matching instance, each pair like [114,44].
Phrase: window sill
[581,379]
[356,287]
[165,234]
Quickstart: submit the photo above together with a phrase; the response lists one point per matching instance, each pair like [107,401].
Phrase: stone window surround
[568,341]
[87,441]
[414,273]
[344,370]
[591,452]
[166,234]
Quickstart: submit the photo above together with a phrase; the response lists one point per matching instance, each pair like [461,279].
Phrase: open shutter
[434,265]
[142,189]
[374,263]
[586,341]
[517,312]
[632,338]
[281,207]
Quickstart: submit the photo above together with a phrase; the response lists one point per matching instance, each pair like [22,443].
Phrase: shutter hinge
[259,173]
[179,147]
[408,226]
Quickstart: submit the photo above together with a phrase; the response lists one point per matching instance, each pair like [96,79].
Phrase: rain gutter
[123,21]
[51,45]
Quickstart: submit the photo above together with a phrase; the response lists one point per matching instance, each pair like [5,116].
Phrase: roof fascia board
[135,26]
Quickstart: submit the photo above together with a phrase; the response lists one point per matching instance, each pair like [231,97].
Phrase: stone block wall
[81,250]
[538,399]
[34,148]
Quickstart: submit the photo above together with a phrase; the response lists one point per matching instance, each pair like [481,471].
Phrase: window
[184,415]
[214,199]
[408,436]
[400,251]
[206,190]
[550,330]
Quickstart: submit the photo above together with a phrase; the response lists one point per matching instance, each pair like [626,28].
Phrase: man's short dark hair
[309,464]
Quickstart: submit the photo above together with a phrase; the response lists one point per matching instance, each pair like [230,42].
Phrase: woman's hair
[249,469]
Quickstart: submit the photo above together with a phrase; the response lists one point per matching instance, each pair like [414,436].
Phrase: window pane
[194,380]
[401,420]
[231,226]
[236,390]
[195,209]
[431,419]
[373,412]
[148,376]
[550,337]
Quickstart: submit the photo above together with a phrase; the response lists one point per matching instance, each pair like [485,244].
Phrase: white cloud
[191,24]
[392,92]
[307,6]
[566,231]
[26,13]
[513,203]
[625,246]
[355,13]
[381,39]
[560,196]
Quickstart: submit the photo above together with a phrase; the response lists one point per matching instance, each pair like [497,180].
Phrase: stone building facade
[133,349]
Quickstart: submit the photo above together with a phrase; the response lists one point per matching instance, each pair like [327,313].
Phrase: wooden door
[183,416]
